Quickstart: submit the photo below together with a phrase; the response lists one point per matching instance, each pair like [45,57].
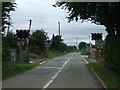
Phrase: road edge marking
[86,62]
[43,62]
[99,78]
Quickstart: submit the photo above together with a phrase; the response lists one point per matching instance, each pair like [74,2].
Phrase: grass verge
[110,78]
[83,52]
[53,54]
[12,69]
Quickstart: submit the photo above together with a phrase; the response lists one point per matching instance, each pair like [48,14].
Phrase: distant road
[68,71]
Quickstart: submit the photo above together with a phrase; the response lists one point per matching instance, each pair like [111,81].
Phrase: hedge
[112,52]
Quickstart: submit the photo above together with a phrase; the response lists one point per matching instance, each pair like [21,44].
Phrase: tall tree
[7,7]
[106,14]
[37,41]
[8,42]
[82,45]
[57,42]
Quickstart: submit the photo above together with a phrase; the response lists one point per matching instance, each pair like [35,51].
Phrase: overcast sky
[44,15]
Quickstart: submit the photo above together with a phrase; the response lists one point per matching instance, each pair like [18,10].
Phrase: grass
[110,78]
[53,54]
[83,52]
[12,69]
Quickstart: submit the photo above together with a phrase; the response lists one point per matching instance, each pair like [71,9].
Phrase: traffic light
[96,36]
[22,34]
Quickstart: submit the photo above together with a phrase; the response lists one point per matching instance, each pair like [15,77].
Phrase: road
[68,71]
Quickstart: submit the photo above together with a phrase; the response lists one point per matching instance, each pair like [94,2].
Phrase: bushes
[37,42]
[112,52]
[8,42]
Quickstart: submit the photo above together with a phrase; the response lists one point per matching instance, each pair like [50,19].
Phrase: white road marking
[31,62]
[93,60]
[42,62]
[56,75]
[86,62]
[47,85]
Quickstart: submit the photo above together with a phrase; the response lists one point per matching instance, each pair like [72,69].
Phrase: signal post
[23,36]
[99,46]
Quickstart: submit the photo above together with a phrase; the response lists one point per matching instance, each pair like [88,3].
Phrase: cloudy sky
[44,15]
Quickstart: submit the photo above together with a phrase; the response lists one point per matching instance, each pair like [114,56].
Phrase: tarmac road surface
[68,71]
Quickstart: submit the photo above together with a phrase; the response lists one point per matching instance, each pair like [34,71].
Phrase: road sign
[23,34]
[48,43]
[99,44]
[20,43]
[96,36]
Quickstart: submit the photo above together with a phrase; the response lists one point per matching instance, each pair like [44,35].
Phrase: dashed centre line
[47,85]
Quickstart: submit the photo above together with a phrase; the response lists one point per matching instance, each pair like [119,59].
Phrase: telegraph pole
[90,44]
[30,22]
[77,42]
[59,28]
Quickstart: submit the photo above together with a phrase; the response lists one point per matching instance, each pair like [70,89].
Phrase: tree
[57,42]
[106,14]
[72,48]
[82,45]
[37,41]
[7,7]
[8,42]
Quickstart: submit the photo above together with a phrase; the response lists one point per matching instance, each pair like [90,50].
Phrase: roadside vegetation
[37,49]
[106,14]
[12,69]
[109,78]
[84,52]
[53,54]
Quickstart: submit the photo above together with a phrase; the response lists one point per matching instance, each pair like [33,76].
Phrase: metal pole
[59,27]
[30,22]
[27,43]
[90,44]
[77,42]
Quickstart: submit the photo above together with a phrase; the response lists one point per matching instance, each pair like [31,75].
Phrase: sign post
[23,37]
[99,46]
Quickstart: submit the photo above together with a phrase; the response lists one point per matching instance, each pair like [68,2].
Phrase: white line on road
[47,85]
[86,62]
[56,75]
[42,62]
